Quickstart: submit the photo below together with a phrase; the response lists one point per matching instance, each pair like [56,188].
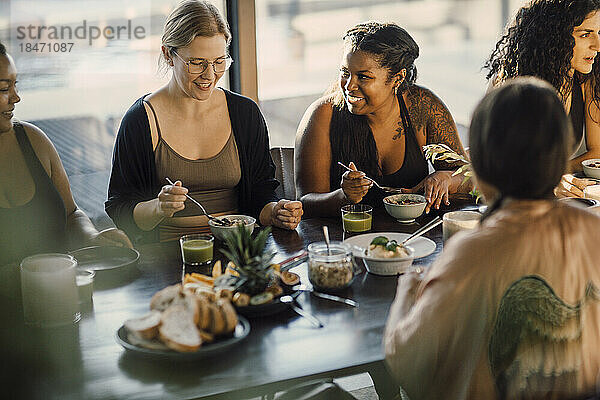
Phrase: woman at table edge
[376,119]
[564,55]
[440,335]
[37,210]
[187,124]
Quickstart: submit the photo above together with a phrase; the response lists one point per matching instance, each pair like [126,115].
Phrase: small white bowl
[389,266]
[380,265]
[219,231]
[592,172]
[405,212]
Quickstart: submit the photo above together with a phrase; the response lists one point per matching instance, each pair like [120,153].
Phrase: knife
[327,296]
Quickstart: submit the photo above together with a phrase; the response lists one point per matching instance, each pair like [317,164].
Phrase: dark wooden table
[85,361]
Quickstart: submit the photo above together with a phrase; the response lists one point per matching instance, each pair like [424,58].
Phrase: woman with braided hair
[377,120]
[557,40]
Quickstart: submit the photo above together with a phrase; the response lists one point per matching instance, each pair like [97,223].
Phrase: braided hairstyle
[350,135]
[540,42]
[520,138]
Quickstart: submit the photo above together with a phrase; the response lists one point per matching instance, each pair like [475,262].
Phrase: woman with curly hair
[377,120]
[557,40]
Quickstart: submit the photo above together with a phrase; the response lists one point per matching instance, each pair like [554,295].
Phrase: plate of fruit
[250,280]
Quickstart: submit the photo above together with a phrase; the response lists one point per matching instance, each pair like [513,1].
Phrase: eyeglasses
[199,66]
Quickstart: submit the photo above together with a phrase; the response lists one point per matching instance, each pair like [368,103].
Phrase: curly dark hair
[540,43]
[350,135]
[2,49]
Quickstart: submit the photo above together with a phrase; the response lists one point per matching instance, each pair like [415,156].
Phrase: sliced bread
[163,298]
[152,344]
[229,313]
[178,329]
[145,327]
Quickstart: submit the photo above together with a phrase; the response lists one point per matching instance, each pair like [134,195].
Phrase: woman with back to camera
[377,120]
[212,140]
[510,310]
[37,210]
[557,40]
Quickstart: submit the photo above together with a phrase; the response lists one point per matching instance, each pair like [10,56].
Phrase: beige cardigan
[438,330]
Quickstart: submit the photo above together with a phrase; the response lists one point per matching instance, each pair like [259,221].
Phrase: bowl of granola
[591,167]
[405,207]
[229,223]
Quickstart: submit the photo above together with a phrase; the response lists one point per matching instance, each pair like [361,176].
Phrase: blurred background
[78,97]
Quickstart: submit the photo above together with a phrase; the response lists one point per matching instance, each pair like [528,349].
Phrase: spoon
[425,228]
[221,221]
[313,320]
[326,234]
[384,188]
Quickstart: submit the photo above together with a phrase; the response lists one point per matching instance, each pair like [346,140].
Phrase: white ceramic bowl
[389,266]
[219,231]
[379,265]
[405,212]
[592,172]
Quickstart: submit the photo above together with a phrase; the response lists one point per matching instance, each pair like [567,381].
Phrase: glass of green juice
[357,218]
[197,249]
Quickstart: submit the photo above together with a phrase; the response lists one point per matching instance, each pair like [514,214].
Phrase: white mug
[455,221]
[50,296]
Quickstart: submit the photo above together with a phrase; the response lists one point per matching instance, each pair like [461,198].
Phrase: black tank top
[413,170]
[576,113]
[38,226]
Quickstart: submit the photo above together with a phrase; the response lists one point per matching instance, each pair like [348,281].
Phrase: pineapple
[251,261]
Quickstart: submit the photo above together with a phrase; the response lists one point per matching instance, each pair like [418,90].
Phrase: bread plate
[206,350]
[264,310]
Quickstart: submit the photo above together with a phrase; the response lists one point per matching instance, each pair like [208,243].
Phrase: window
[81,65]
[299,48]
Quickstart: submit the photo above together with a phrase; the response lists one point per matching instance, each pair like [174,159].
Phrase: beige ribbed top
[212,182]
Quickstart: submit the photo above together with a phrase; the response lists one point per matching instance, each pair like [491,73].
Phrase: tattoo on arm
[428,111]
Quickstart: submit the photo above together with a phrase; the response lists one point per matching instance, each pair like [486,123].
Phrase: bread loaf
[182,319]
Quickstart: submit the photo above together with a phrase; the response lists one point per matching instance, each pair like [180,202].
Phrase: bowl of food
[381,254]
[228,223]
[405,207]
[591,167]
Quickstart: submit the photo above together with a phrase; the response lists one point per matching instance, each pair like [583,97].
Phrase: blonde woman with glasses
[212,142]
